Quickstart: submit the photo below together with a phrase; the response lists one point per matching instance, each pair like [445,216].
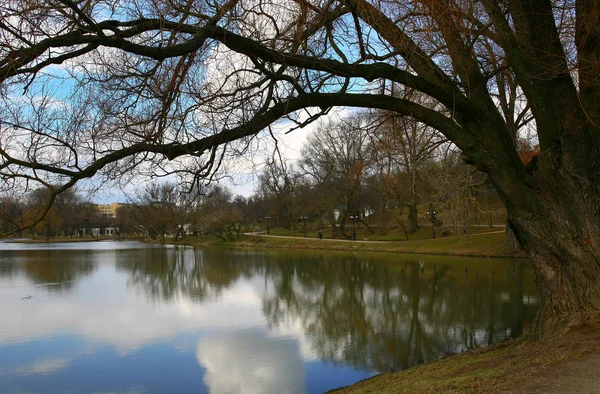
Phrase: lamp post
[304,218]
[353,219]
[432,212]
[267,218]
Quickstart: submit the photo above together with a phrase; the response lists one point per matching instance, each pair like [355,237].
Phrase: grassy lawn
[487,245]
[392,234]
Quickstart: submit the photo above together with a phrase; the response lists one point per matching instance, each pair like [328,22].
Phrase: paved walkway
[314,239]
[255,234]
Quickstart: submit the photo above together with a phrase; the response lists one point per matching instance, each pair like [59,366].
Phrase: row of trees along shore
[376,168]
[69,215]
[359,177]
[107,90]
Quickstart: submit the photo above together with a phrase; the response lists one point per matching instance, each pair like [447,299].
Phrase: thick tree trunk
[511,243]
[562,238]
[569,287]
[413,218]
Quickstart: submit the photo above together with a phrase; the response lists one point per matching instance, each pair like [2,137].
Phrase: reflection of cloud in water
[249,362]
[43,367]
[121,318]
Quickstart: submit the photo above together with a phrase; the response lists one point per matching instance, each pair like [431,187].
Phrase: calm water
[129,317]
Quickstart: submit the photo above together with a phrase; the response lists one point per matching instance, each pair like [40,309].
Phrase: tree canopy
[115,88]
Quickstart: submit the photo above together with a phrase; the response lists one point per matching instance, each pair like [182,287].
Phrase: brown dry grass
[553,364]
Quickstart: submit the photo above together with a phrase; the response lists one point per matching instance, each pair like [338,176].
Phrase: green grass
[488,245]
[390,234]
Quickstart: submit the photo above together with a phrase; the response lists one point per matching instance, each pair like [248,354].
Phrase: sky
[244,180]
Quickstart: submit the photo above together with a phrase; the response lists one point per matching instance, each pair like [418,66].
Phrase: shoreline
[491,247]
[480,246]
[341,247]
[66,240]
[512,366]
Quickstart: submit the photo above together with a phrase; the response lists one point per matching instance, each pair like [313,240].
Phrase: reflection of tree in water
[164,274]
[57,269]
[7,269]
[516,307]
[368,314]
[392,317]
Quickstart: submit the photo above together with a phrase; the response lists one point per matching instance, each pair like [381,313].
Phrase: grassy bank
[485,245]
[480,245]
[391,234]
[516,366]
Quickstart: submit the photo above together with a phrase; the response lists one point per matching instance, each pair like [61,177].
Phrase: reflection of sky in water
[105,334]
[138,318]
[249,362]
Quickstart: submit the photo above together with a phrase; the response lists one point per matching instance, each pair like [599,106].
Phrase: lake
[130,317]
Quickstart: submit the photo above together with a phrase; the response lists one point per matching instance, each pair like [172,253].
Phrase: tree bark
[562,238]
[413,218]
[511,243]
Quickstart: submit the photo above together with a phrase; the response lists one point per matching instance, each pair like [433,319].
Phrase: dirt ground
[576,376]
[580,373]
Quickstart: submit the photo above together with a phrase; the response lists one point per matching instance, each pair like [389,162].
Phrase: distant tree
[221,216]
[90,216]
[337,156]
[277,186]
[153,208]
[64,216]
[404,145]
[11,214]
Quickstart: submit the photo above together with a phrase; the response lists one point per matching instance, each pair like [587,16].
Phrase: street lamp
[304,218]
[431,213]
[353,219]
[267,218]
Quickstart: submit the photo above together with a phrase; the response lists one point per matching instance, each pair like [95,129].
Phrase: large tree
[157,86]
[337,157]
[404,146]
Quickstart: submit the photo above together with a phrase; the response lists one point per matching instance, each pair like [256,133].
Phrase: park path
[314,239]
[255,234]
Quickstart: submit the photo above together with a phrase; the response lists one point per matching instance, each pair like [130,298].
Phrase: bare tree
[157,87]
[277,185]
[403,147]
[220,215]
[337,156]
[154,209]
[11,214]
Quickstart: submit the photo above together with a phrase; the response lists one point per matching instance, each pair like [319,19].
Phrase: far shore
[481,245]
[484,245]
[66,239]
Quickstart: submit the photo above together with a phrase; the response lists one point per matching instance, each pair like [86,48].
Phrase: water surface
[130,317]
